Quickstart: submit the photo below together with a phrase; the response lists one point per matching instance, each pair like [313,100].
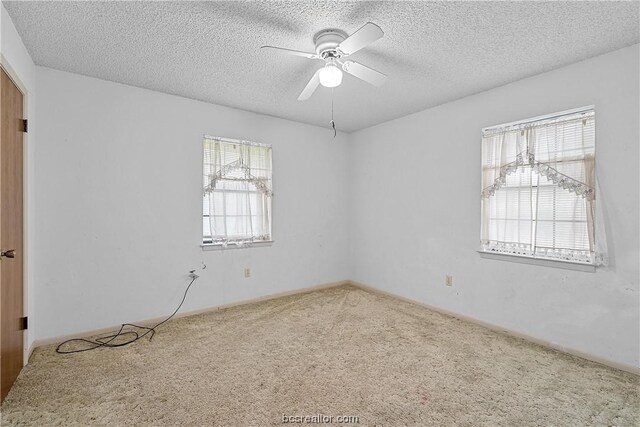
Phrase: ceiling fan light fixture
[334,47]
[330,75]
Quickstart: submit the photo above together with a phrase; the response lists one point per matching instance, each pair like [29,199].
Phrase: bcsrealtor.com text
[320,419]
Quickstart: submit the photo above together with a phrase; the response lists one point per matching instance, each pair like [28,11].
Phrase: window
[236,207]
[539,188]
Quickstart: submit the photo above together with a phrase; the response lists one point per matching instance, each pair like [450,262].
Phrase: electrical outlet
[448,280]
[247,272]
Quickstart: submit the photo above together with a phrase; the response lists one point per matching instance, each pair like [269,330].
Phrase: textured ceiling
[433,52]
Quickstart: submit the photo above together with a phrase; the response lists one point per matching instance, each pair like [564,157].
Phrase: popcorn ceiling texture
[339,351]
[433,52]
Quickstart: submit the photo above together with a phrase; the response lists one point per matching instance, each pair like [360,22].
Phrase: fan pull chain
[333,124]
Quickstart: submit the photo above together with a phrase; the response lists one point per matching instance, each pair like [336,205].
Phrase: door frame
[15,78]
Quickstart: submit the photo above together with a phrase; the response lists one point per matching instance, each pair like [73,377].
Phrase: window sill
[567,265]
[219,247]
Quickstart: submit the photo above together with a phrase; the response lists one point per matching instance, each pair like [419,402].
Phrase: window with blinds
[539,188]
[237,192]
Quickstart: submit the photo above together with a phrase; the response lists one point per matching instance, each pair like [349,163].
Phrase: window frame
[535,259]
[210,245]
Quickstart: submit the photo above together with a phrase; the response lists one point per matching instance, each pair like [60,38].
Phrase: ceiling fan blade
[365,73]
[293,52]
[310,87]
[366,35]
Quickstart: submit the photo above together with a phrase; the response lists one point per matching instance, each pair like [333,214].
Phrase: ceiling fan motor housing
[327,41]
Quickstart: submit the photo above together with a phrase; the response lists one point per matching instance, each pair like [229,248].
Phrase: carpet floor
[338,352]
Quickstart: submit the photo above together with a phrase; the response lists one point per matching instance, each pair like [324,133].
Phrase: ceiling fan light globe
[330,76]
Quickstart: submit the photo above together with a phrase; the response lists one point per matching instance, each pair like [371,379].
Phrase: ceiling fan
[333,47]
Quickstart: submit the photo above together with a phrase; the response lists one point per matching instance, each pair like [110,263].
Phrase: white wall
[415,211]
[17,62]
[118,184]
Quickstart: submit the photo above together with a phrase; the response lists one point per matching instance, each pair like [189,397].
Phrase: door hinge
[25,126]
[24,323]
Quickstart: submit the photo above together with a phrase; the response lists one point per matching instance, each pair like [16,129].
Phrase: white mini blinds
[539,188]
[237,192]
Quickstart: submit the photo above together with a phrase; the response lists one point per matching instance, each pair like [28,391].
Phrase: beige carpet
[338,352]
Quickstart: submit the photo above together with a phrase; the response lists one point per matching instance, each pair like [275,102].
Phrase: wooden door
[11,233]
